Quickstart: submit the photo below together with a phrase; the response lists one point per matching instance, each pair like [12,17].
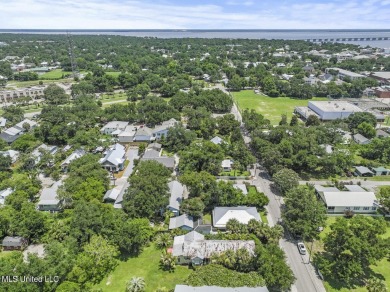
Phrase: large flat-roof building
[342,74]
[332,110]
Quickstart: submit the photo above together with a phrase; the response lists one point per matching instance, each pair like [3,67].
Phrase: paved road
[306,278]
[304,272]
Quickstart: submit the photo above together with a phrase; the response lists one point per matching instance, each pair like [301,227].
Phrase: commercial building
[342,74]
[332,110]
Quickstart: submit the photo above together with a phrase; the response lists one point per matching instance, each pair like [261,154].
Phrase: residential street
[307,280]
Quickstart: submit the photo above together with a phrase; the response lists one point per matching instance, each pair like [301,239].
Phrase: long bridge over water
[349,39]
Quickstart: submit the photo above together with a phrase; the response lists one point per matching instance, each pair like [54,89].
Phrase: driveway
[122,184]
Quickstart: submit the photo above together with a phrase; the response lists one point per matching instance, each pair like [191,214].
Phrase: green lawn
[54,74]
[381,268]
[271,107]
[35,82]
[146,266]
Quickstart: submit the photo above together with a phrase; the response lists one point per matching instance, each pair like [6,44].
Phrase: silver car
[301,248]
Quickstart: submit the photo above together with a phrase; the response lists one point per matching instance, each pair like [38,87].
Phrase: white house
[48,201]
[227,165]
[221,215]
[184,222]
[162,130]
[113,126]
[114,160]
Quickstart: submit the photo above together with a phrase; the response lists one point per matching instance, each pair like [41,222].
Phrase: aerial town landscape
[156,161]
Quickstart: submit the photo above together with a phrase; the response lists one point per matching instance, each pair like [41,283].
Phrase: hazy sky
[191,14]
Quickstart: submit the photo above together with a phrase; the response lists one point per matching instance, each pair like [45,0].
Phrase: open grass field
[54,74]
[271,107]
[382,267]
[35,82]
[146,265]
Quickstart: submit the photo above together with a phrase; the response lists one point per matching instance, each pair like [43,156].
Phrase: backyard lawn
[146,266]
[381,268]
[271,107]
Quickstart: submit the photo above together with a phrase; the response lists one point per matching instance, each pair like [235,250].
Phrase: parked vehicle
[301,248]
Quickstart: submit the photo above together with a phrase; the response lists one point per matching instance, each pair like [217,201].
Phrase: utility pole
[73,63]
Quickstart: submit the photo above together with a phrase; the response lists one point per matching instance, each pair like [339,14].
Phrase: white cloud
[137,14]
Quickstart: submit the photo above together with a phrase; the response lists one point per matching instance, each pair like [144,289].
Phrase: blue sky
[191,14]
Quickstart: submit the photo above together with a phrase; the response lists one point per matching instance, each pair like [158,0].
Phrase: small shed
[363,171]
[381,171]
[14,243]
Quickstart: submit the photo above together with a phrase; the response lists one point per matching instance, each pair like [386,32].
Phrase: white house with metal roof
[358,202]
[221,215]
[49,201]
[75,155]
[114,160]
[113,126]
[184,222]
[4,194]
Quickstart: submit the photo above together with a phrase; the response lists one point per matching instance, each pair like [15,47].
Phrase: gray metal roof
[359,138]
[185,288]
[115,155]
[349,199]
[13,241]
[217,140]
[180,221]
[243,214]
[49,195]
[151,153]
[176,191]
[363,169]
[354,188]
[111,194]
[168,162]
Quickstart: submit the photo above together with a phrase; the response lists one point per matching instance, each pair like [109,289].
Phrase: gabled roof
[221,215]
[13,241]
[165,125]
[381,133]
[176,191]
[354,188]
[151,153]
[168,162]
[111,195]
[144,131]
[75,155]
[8,138]
[349,199]
[321,189]
[114,125]
[359,138]
[155,146]
[115,155]
[30,122]
[49,195]
[380,169]
[180,221]
[363,169]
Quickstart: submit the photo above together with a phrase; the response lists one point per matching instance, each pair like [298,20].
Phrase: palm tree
[135,284]
[163,241]
[168,262]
